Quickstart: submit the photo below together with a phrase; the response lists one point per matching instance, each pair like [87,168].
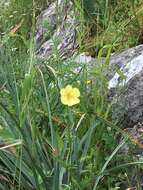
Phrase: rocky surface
[130,62]
[56,30]
[129,90]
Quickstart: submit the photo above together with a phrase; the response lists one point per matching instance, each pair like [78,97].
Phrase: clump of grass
[114,23]
[14,13]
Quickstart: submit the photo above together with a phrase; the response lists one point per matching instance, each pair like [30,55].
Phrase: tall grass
[45,145]
[109,22]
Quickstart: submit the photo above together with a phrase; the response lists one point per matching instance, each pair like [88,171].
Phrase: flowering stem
[70,117]
[69,135]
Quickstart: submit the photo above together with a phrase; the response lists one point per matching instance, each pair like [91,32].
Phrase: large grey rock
[128,91]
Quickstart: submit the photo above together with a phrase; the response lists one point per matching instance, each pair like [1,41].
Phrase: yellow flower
[70,96]
[88,82]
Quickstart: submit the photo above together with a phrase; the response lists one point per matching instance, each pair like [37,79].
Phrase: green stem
[69,133]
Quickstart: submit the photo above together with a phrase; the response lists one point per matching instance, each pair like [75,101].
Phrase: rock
[60,33]
[136,137]
[47,17]
[130,63]
[63,40]
[84,59]
[128,92]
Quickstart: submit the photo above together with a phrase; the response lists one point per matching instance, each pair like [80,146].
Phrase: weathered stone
[130,63]
[128,92]
[61,30]
[63,40]
[47,16]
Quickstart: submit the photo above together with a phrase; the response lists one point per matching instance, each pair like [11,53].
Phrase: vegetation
[49,139]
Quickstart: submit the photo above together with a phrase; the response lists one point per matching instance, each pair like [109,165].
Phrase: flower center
[70,95]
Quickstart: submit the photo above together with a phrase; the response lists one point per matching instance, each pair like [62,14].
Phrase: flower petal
[73,101]
[64,100]
[62,91]
[68,87]
[76,92]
